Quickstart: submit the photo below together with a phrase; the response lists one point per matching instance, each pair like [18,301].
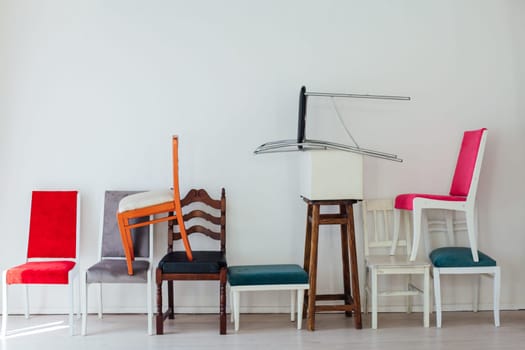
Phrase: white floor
[461,330]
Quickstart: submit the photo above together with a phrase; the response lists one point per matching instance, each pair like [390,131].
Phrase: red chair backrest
[466,163]
[53,224]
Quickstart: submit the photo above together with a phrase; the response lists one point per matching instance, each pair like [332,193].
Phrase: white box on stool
[331,174]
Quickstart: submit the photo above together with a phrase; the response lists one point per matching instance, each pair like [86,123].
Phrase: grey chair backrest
[111,246]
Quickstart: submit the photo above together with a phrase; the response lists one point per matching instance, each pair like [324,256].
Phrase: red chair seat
[406,201]
[40,272]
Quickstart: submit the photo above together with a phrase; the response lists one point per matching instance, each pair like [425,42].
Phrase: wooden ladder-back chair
[461,197]
[206,216]
[148,204]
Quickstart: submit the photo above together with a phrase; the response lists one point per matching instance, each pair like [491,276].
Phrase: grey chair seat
[116,271]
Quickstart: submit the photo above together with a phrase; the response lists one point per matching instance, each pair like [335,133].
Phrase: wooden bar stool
[350,296]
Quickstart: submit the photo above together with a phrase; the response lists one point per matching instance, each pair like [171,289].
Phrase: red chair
[461,197]
[52,250]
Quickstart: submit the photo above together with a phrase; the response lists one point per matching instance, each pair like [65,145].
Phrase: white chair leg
[292,305]
[437,297]
[426,298]
[300,300]
[232,308]
[149,303]
[475,289]
[374,298]
[395,235]
[426,233]
[406,219]
[449,223]
[367,290]
[416,213]
[71,305]
[85,307]
[79,295]
[408,297]
[26,301]
[471,229]
[236,303]
[3,331]
[100,300]
[497,287]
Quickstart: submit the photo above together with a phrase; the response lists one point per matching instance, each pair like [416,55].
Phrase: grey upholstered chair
[111,267]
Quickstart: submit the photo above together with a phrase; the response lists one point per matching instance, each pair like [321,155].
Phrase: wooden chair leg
[127,243]
[171,303]
[358,324]
[222,301]
[346,261]
[160,316]
[307,248]
[312,291]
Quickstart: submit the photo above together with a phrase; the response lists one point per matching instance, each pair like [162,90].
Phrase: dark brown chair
[207,216]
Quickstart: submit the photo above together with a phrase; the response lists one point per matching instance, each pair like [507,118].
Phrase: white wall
[91,91]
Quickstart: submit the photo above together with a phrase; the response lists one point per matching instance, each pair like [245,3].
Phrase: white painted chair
[377,227]
[461,197]
[250,278]
[451,259]
[112,267]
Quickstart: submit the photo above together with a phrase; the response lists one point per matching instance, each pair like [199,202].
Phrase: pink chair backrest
[466,163]
[53,224]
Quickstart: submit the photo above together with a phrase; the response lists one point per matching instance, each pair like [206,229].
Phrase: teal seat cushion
[266,274]
[458,257]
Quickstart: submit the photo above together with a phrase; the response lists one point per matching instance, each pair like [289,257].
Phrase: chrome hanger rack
[304,144]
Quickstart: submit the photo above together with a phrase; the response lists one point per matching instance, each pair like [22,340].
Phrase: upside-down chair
[149,204]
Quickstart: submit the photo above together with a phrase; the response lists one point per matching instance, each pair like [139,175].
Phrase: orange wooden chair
[152,203]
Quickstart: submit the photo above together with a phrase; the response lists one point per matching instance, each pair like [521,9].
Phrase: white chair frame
[451,227]
[468,207]
[296,299]
[385,264]
[149,284]
[493,272]
[72,277]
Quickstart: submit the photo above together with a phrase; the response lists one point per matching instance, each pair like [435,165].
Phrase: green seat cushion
[459,257]
[266,274]
[203,262]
